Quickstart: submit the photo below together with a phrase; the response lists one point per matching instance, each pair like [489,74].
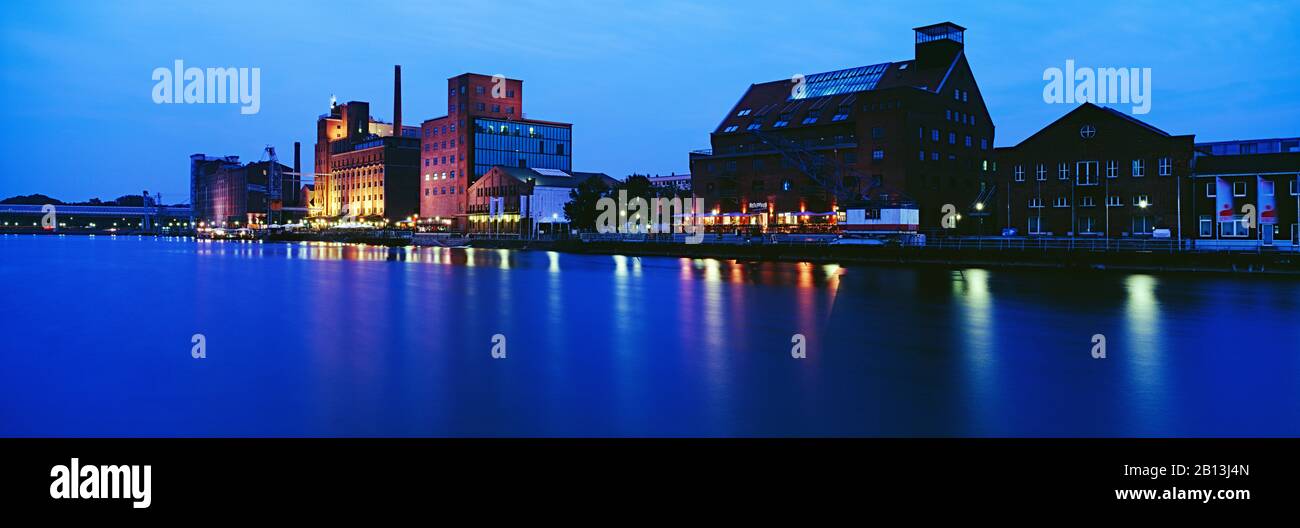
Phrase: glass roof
[852,80]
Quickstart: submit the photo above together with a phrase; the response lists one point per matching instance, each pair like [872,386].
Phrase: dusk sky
[642,82]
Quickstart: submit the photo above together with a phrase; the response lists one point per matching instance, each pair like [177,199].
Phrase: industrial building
[791,152]
[366,169]
[485,127]
[226,192]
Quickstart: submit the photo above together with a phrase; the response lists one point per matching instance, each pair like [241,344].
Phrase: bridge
[146,217]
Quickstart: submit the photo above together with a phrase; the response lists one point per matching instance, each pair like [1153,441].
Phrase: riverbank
[1269,263]
[1283,263]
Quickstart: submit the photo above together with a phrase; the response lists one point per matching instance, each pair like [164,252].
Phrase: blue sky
[643,82]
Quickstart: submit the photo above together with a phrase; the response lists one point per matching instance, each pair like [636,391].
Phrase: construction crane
[274,186]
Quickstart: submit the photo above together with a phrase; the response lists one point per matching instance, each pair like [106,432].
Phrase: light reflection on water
[339,339]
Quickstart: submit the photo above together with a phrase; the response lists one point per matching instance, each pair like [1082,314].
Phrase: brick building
[484,127]
[364,168]
[793,151]
[1094,172]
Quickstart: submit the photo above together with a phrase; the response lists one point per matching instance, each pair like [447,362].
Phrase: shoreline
[1276,264]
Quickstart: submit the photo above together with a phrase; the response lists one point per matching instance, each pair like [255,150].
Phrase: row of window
[433,191]
[960,117]
[1139,200]
[445,144]
[480,90]
[1087,170]
[440,176]
[444,129]
[435,160]
[1139,225]
[1239,189]
[952,138]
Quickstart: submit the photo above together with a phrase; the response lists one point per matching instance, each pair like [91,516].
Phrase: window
[785,185]
[731,128]
[478,90]
[1087,224]
[755,125]
[841,113]
[952,138]
[922,155]
[1036,225]
[1062,171]
[877,133]
[1236,228]
[781,121]
[812,116]
[1061,201]
[850,157]
[1035,203]
[1041,172]
[1211,190]
[1113,201]
[984,143]
[1165,166]
[743,113]
[877,154]
[1141,200]
[934,156]
[1088,201]
[1020,173]
[934,135]
[968,142]
[1087,131]
[1142,225]
[1293,187]
[1206,226]
[1112,169]
[1239,188]
[1139,168]
[1086,173]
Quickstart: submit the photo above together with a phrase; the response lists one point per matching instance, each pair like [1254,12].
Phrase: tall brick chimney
[397,100]
[297,158]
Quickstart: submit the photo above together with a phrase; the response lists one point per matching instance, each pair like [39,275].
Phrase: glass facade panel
[515,144]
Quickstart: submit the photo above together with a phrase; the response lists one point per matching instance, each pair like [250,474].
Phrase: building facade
[523,201]
[793,151]
[1260,193]
[674,181]
[1096,172]
[484,127]
[225,192]
[364,170]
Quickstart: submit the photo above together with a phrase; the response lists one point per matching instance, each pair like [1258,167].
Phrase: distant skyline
[643,83]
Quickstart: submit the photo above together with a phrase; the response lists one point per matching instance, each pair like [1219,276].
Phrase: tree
[581,208]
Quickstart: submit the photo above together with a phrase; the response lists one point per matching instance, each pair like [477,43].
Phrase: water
[339,340]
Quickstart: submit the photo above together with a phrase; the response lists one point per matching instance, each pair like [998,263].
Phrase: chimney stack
[397,100]
[297,158]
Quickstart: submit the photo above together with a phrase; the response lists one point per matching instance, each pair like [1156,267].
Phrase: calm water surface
[330,340]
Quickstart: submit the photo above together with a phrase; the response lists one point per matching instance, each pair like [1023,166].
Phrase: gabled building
[523,201]
[791,152]
[1096,172]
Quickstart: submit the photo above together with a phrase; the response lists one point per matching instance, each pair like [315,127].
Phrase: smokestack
[397,100]
[297,158]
